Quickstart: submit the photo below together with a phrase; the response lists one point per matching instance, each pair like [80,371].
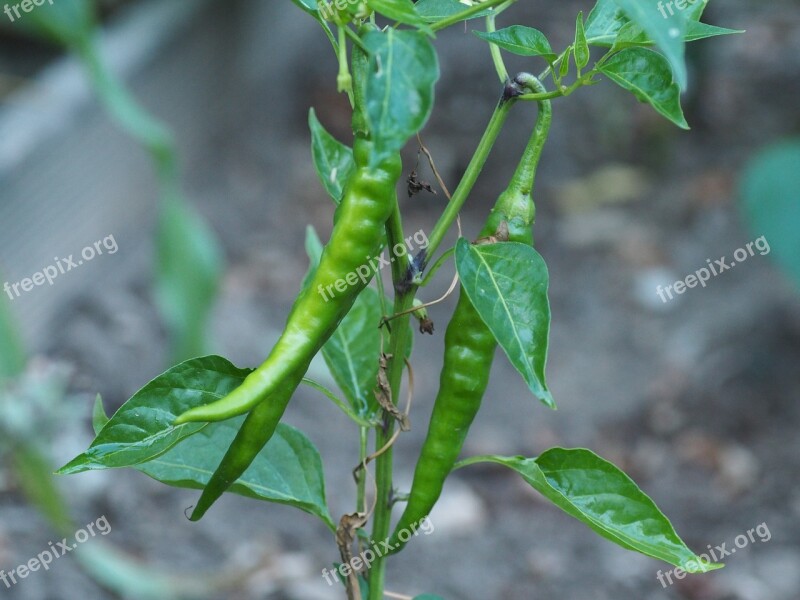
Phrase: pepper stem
[516,201]
[470,176]
[398,345]
[344,81]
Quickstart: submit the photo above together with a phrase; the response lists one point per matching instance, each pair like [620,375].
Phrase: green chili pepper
[253,435]
[469,344]
[357,237]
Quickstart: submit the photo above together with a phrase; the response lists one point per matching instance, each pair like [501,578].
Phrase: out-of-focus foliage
[12,353]
[770,202]
[189,260]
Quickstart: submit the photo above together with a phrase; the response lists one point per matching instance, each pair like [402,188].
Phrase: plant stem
[398,345]
[545,95]
[523,178]
[474,460]
[361,489]
[494,49]
[355,39]
[381,291]
[542,94]
[470,175]
[344,407]
[549,68]
[344,81]
[436,266]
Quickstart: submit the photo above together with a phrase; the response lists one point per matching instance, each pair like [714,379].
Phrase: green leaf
[598,494]
[507,285]
[400,89]
[66,23]
[525,41]
[647,75]
[437,10]
[694,11]
[142,430]
[187,276]
[314,249]
[769,200]
[287,471]
[632,35]
[700,31]
[99,416]
[363,583]
[581,48]
[309,6]
[667,31]
[12,351]
[351,353]
[563,68]
[403,11]
[333,160]
[604,22]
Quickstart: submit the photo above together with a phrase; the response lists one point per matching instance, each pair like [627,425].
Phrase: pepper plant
[209,425]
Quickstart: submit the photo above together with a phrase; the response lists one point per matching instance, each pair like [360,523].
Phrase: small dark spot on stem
[420,261]
[412,271]
[511,90]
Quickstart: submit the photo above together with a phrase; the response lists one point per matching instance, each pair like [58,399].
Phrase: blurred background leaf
[769,195]
[187,277]
[12,353]
[189,259]
[66,23]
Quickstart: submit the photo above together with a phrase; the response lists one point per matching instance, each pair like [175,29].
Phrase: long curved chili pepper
[469,344]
